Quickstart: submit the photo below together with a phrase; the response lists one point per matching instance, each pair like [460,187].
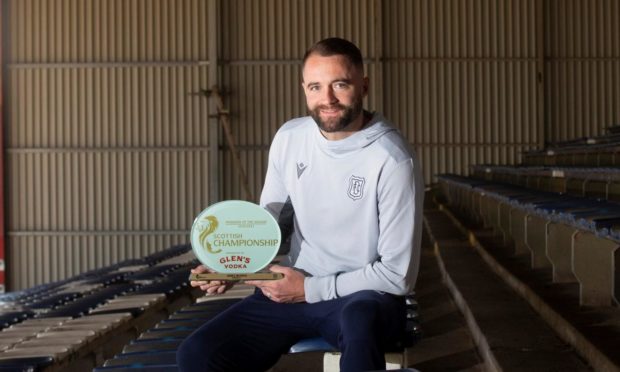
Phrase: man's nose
[329,96]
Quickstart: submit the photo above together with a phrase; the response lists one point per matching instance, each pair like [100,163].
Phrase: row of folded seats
[601,150]
[573,232]
[594,182]
[76,323]
[155,349]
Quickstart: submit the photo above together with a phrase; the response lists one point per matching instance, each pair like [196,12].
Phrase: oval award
[235,237]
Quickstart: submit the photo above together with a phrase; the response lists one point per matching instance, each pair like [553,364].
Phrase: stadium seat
[574,237]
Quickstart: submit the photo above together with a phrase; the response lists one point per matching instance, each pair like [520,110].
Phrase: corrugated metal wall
[583,67]
[461,80]
[107,147]
[110,155]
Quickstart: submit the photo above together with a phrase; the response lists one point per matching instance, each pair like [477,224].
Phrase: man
[355,191]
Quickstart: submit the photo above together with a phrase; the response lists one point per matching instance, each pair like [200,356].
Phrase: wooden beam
[222,114]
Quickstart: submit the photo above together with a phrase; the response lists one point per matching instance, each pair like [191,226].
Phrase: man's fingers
[215,289]
[256,283]
[206,284]
[210,290]
[279,269]
[199,269]
[210,287]
[195,283]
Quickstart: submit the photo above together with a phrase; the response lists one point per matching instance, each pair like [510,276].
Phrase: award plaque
[235,239]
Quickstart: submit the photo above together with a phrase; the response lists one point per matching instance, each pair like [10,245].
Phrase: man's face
[334,91]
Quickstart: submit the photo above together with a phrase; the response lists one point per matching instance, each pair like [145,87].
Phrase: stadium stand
[591,151]
[164,338]
[575,237]
[126,317]
[558,214]
[77,323]
[133,315]
[155,348]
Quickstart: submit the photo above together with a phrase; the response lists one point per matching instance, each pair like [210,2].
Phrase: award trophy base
[236,277]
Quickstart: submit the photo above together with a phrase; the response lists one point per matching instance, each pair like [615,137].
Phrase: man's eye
[313,88]
[341,85]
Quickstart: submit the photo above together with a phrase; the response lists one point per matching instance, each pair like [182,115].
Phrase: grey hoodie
[357,207]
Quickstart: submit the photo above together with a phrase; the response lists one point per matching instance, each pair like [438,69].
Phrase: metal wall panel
[107,108]
[282,30]
[90,31]
[461,80]
[583,64]
[459,113]
[105,191]
[108,145]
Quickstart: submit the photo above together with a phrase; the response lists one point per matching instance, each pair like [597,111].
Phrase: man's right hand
[210,286]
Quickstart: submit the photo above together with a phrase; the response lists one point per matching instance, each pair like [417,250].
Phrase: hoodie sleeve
[274,196]
[400,200]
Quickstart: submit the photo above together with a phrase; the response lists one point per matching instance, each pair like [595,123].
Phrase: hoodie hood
[376,128]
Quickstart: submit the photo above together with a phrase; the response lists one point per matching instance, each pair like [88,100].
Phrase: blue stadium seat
[139,367]
[148,358]
[26,364]
[311,344]
[151,273]
[84,304]
[12,317]
[163,344]
[160,333]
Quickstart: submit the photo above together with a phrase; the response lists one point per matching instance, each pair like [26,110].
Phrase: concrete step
[447,344]
[509,334]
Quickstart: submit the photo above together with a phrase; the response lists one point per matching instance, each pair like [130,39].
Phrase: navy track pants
[252,334]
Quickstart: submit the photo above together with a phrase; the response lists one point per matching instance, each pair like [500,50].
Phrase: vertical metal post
[2,227]
[379,69]
[215,169]
[540,72]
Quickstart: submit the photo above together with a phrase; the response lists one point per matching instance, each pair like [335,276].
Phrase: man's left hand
[289,289]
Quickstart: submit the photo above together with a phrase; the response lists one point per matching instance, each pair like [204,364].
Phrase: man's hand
[289,289]
[210,286]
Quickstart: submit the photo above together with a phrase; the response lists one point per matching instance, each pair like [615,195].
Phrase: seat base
[393,360]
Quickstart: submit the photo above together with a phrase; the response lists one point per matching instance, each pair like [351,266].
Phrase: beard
[336,124]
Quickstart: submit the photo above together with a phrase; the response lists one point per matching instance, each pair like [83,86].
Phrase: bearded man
[354,190]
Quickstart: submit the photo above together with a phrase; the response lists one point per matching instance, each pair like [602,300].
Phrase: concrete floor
[447,344]
[511,335]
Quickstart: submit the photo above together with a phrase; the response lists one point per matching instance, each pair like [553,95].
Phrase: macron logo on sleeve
[301,167]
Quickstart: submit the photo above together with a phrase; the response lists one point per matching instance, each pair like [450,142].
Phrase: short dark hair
[336,46]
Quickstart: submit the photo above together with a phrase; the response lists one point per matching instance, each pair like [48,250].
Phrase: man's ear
[366,84]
